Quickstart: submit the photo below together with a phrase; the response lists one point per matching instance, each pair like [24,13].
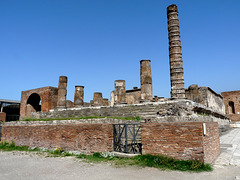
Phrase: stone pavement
[230,149]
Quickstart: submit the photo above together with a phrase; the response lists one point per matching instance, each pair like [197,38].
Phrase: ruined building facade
[195,114]
[44,99]
[206,96]
[232,104]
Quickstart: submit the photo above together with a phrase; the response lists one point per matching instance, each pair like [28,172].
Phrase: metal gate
[127,138]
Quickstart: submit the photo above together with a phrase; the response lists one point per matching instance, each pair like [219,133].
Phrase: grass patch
[170,163]
[161,162]
[148,160]
[85,117]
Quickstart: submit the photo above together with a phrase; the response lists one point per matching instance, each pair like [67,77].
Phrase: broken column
[146,80]
[175,53]
[120,92]
[78,96]
[105,102]
[97,99]
[62,92]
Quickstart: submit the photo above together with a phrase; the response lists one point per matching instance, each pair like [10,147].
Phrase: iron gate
[127,138]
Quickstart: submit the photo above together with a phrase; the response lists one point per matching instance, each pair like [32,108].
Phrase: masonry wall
[48,97]
[133,96]
[183,140]
[205,96]
[232,96]
[168,111]
[87,138]
[211,144]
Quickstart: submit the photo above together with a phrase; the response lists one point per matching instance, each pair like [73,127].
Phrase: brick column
[79,96]
[146,80]
[120,92]
[175,53]
[97,99]
[62,92]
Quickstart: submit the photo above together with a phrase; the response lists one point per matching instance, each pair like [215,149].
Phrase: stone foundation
[167,111]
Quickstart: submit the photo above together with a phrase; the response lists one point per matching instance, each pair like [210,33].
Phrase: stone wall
[211,143]
[2,117]
[86,138]
[133,96]
[205,96]
[168,111]
[182,140]
[47,97]
[232,104]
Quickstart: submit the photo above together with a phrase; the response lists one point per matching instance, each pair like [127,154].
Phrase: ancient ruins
[167,125]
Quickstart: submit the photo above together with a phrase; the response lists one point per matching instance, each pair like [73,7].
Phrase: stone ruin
[184,126]
[189,104]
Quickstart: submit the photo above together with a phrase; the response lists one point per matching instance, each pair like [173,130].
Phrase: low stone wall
[182,140]
[86,138]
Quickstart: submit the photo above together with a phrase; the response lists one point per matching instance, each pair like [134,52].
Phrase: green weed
[85,117]
[161,162]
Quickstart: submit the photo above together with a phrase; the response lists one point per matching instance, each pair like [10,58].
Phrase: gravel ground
[29,165]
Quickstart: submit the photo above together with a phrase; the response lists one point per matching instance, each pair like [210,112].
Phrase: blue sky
[95,42]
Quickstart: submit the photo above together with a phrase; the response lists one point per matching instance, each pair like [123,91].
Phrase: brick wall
[2,117]
[87,138]
[181,140]
[232,96]
[211,143]
[48,97]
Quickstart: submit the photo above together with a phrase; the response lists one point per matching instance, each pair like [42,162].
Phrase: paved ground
[230,149]
[19,165]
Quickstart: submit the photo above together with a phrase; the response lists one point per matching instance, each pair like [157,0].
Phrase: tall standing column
[78,96]
[146,80]
[62,91]
[175,54]
[120,92]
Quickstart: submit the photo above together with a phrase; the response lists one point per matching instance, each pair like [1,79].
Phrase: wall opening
[35,101]
[231,109]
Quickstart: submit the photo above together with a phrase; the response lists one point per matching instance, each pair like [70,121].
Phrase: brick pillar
[175,54]
[120,92]
[2,117]
[146,80]
[97,99]
[62,92]
[78,96]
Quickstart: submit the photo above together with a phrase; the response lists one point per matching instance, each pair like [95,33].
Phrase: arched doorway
[35,101]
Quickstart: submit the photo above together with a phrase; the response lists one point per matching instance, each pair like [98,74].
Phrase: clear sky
[95,42]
